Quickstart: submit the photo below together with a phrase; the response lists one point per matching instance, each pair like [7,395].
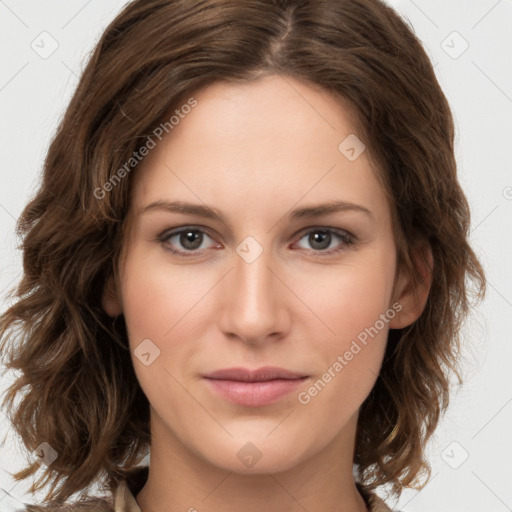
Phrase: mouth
[254,388]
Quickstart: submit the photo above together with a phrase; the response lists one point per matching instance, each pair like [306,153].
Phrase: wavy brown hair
[79,391]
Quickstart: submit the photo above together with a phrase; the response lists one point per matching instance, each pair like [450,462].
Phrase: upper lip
[259,375]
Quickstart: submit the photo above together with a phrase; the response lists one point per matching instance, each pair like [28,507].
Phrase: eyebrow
[208,212]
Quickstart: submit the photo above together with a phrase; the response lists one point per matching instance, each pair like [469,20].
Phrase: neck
[179,480]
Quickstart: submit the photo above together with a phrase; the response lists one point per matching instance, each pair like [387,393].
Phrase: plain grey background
[43,49]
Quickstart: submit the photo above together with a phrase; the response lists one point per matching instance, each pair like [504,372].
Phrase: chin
[252,455]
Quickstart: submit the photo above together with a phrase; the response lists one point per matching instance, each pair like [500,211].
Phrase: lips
[254,388]
[261,375]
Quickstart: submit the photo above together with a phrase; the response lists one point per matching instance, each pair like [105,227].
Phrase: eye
[190,239]
[321,239]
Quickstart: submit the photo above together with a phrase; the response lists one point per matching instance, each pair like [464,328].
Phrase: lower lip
[255,394]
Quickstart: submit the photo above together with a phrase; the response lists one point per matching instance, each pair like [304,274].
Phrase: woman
[174,293]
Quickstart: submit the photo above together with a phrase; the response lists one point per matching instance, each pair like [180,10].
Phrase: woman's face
[262,276]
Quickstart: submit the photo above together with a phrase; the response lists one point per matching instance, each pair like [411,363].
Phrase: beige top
[124,499]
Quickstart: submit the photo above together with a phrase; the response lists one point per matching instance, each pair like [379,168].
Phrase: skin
[254,152]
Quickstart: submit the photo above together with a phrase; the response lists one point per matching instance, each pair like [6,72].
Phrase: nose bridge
[251,302]
[253,277]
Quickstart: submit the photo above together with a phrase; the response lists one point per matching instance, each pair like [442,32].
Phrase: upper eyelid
[209,231]
[176,231]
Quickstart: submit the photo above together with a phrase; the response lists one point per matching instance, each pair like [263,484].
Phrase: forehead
[273,142]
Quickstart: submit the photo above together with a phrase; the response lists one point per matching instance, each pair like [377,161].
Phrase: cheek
[355,306]
[158,304]
[157,296]
[351,297]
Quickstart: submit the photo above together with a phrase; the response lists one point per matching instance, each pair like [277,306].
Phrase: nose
[253,303]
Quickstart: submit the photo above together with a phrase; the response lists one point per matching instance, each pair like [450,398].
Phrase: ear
[110,301]
[413,298]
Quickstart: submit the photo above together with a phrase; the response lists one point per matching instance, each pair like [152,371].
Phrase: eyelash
[347,239]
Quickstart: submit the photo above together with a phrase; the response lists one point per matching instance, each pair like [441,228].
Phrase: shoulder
[122,498]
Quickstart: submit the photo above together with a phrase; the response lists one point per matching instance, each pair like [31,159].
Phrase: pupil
[323,239]
[188,237]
